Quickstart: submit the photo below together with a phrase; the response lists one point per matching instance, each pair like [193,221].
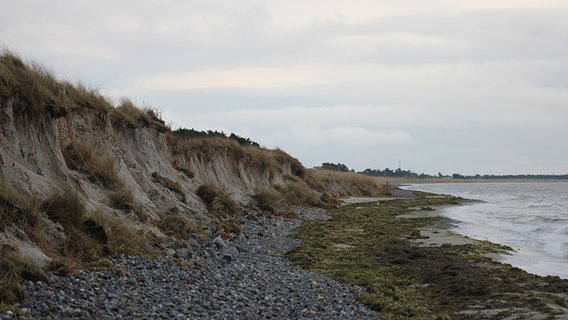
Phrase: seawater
[530,217]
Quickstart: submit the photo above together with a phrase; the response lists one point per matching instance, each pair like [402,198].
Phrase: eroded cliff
[80,178]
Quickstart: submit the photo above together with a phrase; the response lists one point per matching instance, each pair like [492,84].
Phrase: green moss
[371,246]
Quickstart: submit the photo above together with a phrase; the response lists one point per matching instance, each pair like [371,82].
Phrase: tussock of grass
[249,156]
[169,184]
[179,227]
[68,208]
[272,202]
[121,237]
[14,269]
[38,90]
[79,156]
[18,207]
[185,169]
[221,208]
[299,193]
[129,115]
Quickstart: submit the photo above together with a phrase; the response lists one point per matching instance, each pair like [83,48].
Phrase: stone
[219,243]
[193,240]
[230,253]
[183,253]
[169,253]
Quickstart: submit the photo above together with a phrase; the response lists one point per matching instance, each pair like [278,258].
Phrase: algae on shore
[377,246]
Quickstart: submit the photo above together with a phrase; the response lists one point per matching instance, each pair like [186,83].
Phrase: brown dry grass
[38,90]
[169,184]
[80,157]
[353,184]
[14,269]
[222,209]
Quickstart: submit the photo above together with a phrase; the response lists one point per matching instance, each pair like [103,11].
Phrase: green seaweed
[373,246]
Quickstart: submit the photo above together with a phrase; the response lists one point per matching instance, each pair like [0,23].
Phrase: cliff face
[33,159]
[88,151]
[79,177]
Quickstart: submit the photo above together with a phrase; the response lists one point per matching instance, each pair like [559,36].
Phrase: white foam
[516,215]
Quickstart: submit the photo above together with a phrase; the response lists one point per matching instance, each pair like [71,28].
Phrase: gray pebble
[241,279]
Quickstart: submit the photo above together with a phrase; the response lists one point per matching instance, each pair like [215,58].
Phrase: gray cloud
[466,87]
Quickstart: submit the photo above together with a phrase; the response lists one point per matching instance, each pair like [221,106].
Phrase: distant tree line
[399,173]
[396,173]
[192,133]
[334,167]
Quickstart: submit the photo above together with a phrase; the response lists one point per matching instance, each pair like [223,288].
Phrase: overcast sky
[477,86]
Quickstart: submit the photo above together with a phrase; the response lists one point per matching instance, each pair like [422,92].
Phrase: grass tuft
[38,90]
[79,156]
[222,208]
[169,184]
[14,269]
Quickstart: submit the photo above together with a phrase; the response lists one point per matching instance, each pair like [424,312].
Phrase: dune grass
[350,183]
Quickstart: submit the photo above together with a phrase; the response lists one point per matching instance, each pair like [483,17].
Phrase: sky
[450,86]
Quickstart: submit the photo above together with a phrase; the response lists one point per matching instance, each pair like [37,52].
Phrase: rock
[230,253]
[183,253]
[26,249]
[169,253]
[219,243]
[150,247]
[246,279]
[193,240]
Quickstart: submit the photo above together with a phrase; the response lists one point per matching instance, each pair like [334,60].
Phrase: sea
[530,217]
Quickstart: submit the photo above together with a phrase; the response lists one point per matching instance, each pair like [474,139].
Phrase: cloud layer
[467,86]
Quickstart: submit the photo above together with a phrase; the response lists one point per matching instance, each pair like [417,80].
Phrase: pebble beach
[242,279]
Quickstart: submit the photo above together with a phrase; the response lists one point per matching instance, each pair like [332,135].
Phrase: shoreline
[541,263]
[414,267]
